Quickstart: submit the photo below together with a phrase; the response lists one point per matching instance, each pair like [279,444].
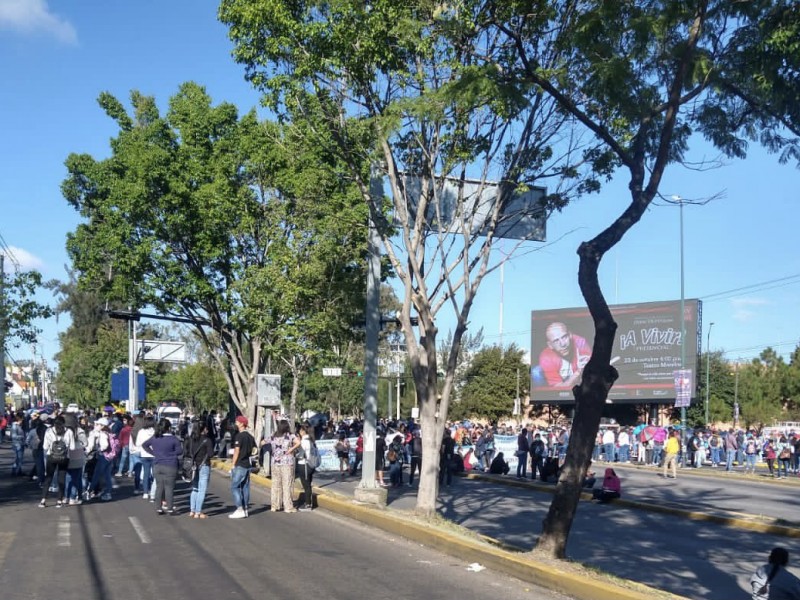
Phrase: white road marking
[63,531]
[137,527]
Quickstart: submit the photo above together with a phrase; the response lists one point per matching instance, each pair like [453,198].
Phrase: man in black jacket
[537,457]
[522,453]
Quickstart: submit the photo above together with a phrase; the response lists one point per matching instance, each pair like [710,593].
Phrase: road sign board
[161,350]
[268,390]
[331,372]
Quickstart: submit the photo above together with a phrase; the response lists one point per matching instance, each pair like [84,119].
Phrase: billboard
[470,202]
[647,350]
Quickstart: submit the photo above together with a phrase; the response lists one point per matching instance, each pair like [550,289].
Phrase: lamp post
[682,317]
[708,367]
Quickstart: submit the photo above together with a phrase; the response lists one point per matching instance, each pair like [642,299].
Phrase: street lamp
[679,200]
[708,365]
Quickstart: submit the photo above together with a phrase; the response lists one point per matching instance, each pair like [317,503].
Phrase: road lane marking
[63,531]
[137,527]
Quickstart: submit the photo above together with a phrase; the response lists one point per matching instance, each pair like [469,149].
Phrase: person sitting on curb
[772,580]
[612,488]
[499,465]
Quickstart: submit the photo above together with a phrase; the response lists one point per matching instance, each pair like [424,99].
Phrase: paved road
[122,550]
[689,558]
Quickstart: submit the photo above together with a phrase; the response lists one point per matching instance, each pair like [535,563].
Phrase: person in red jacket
[123,467]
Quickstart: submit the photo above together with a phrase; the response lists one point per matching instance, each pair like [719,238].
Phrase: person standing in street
[243,446]
[416,456]
[672,448]
[303,471]
[167,451]
[522,453]
[282,468]
[200,448]
[731,449]
[57,444]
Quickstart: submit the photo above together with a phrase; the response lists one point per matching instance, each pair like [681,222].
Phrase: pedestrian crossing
[66,524]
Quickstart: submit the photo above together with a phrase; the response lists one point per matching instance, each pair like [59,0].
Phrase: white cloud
[743,307]
[26,260]
[31,16]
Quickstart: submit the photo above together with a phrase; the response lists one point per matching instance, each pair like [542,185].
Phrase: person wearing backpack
[305,449]
[394,455]
[57,443]
[343,454]
[537,457]
[773,581]
[750,454]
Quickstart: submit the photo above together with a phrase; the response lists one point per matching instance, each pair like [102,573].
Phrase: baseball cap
[103,422]
[243,420]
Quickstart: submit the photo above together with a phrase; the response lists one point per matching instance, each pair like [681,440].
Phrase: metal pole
[736,399]
[683,338]
[708,367]
[3,327]
[131,367]
[373,324]
[397,395]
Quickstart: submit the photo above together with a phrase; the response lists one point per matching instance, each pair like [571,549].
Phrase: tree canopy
[231,222]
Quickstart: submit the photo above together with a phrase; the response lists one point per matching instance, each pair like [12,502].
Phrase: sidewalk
[663,545]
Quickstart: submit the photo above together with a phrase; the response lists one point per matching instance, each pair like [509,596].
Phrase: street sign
[268,390]
[331,372]
[161,350]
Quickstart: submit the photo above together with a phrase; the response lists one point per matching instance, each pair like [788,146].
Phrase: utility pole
[3,326]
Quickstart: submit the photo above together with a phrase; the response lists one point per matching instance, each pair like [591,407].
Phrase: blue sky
[57,57]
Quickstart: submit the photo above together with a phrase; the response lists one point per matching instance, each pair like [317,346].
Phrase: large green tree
[491,382]
[208,216]
[401,84]
[648,79]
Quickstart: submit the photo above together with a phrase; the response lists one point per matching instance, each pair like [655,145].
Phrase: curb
[772,528]
[499,557]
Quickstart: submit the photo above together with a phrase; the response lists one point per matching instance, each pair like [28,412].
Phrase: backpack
[113,447]
[313,459]
[714,443]
[58,450]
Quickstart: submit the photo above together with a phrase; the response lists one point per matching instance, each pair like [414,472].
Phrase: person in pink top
[566,355]
[612,487]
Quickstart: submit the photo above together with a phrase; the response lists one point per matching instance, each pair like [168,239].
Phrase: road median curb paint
[491,553]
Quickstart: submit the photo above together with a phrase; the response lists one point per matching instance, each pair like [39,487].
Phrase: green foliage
[204,214]
[491,384]
[197,387]
[19,309]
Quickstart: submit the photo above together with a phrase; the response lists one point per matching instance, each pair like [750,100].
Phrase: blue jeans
[19,454]
[124,459]
[658,449]
[136,469]
[240,487]
[729,460]
[624,453]
[396,473]
[147,470]
[608,450]
[716,456]
[751,461]
[102,475]
[199,487]
[74,482]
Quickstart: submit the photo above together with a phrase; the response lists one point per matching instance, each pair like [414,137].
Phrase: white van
[173,413]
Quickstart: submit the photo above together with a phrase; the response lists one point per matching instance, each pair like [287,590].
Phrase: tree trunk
[590,397]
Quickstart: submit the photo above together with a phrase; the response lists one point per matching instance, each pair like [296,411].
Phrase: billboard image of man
[565,356]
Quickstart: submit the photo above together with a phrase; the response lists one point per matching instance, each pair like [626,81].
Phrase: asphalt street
[123,549]
[689,558]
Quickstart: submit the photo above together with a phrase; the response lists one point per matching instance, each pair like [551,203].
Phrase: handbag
[785,453]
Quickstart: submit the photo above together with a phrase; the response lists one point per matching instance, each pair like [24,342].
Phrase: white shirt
[608,437]
[50,436]
[141,437]
[624,439]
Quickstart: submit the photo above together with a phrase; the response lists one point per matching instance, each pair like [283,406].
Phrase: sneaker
[306,508]
[75,502]
[145,496]
[160,511]
[237,514]
[42,504]
[60,504]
